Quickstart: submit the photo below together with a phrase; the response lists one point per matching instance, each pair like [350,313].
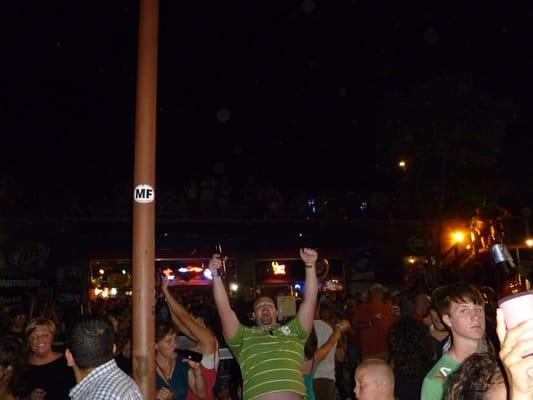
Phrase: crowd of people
[383,344]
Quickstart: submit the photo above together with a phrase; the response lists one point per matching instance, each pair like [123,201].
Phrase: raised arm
[183,319]
[323,351]
[228,318]
[306,313]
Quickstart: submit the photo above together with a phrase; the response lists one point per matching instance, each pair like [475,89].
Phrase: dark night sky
[303,82]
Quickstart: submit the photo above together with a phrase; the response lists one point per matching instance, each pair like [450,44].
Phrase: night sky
[289,92]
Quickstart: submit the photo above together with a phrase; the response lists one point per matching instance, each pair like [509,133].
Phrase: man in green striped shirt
[270,355]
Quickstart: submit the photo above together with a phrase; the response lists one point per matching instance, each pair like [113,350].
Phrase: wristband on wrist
[214,274]
[309,265]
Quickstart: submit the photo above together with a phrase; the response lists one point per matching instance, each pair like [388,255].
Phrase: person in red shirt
[374,320]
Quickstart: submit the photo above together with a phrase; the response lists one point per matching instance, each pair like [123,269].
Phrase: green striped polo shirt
[270,362]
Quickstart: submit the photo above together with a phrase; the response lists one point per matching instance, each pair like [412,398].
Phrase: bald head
[378,369]
[374,380]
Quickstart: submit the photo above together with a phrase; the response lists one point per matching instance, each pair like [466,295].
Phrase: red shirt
[374,338]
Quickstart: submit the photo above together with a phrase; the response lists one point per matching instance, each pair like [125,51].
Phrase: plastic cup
[518,308]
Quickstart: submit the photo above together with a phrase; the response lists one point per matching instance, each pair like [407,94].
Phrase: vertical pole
[144,201]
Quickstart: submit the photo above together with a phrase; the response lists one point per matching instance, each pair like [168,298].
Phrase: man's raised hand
[309,256]
[216,263]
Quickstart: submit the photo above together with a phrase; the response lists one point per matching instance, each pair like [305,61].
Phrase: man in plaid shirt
[90,349]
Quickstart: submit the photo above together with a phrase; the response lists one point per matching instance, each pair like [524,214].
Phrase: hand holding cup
[514,355]
[344,325]
[377,319]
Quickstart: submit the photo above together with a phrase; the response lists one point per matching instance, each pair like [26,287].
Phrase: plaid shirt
[106,382]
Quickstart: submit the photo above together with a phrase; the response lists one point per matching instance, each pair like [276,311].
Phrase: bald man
[374,380]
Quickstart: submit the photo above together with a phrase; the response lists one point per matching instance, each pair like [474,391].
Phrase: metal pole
[144,201]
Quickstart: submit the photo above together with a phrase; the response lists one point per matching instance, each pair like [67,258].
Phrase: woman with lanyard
[175,375]
[206,342]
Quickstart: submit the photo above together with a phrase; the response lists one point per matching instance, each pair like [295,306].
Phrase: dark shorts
[324,389]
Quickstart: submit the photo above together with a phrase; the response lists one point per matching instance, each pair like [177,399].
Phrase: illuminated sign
[168,273]
[102,292]
[279,269]
[190,268]
[333,286]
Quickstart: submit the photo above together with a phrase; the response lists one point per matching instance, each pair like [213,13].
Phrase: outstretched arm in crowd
[323,351]
[306,313]
[519,369]
[228,318]
[186,324]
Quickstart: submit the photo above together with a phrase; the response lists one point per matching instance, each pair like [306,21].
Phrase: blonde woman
[49,376]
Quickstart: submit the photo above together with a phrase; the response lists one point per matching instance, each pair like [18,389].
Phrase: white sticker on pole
[143,194]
